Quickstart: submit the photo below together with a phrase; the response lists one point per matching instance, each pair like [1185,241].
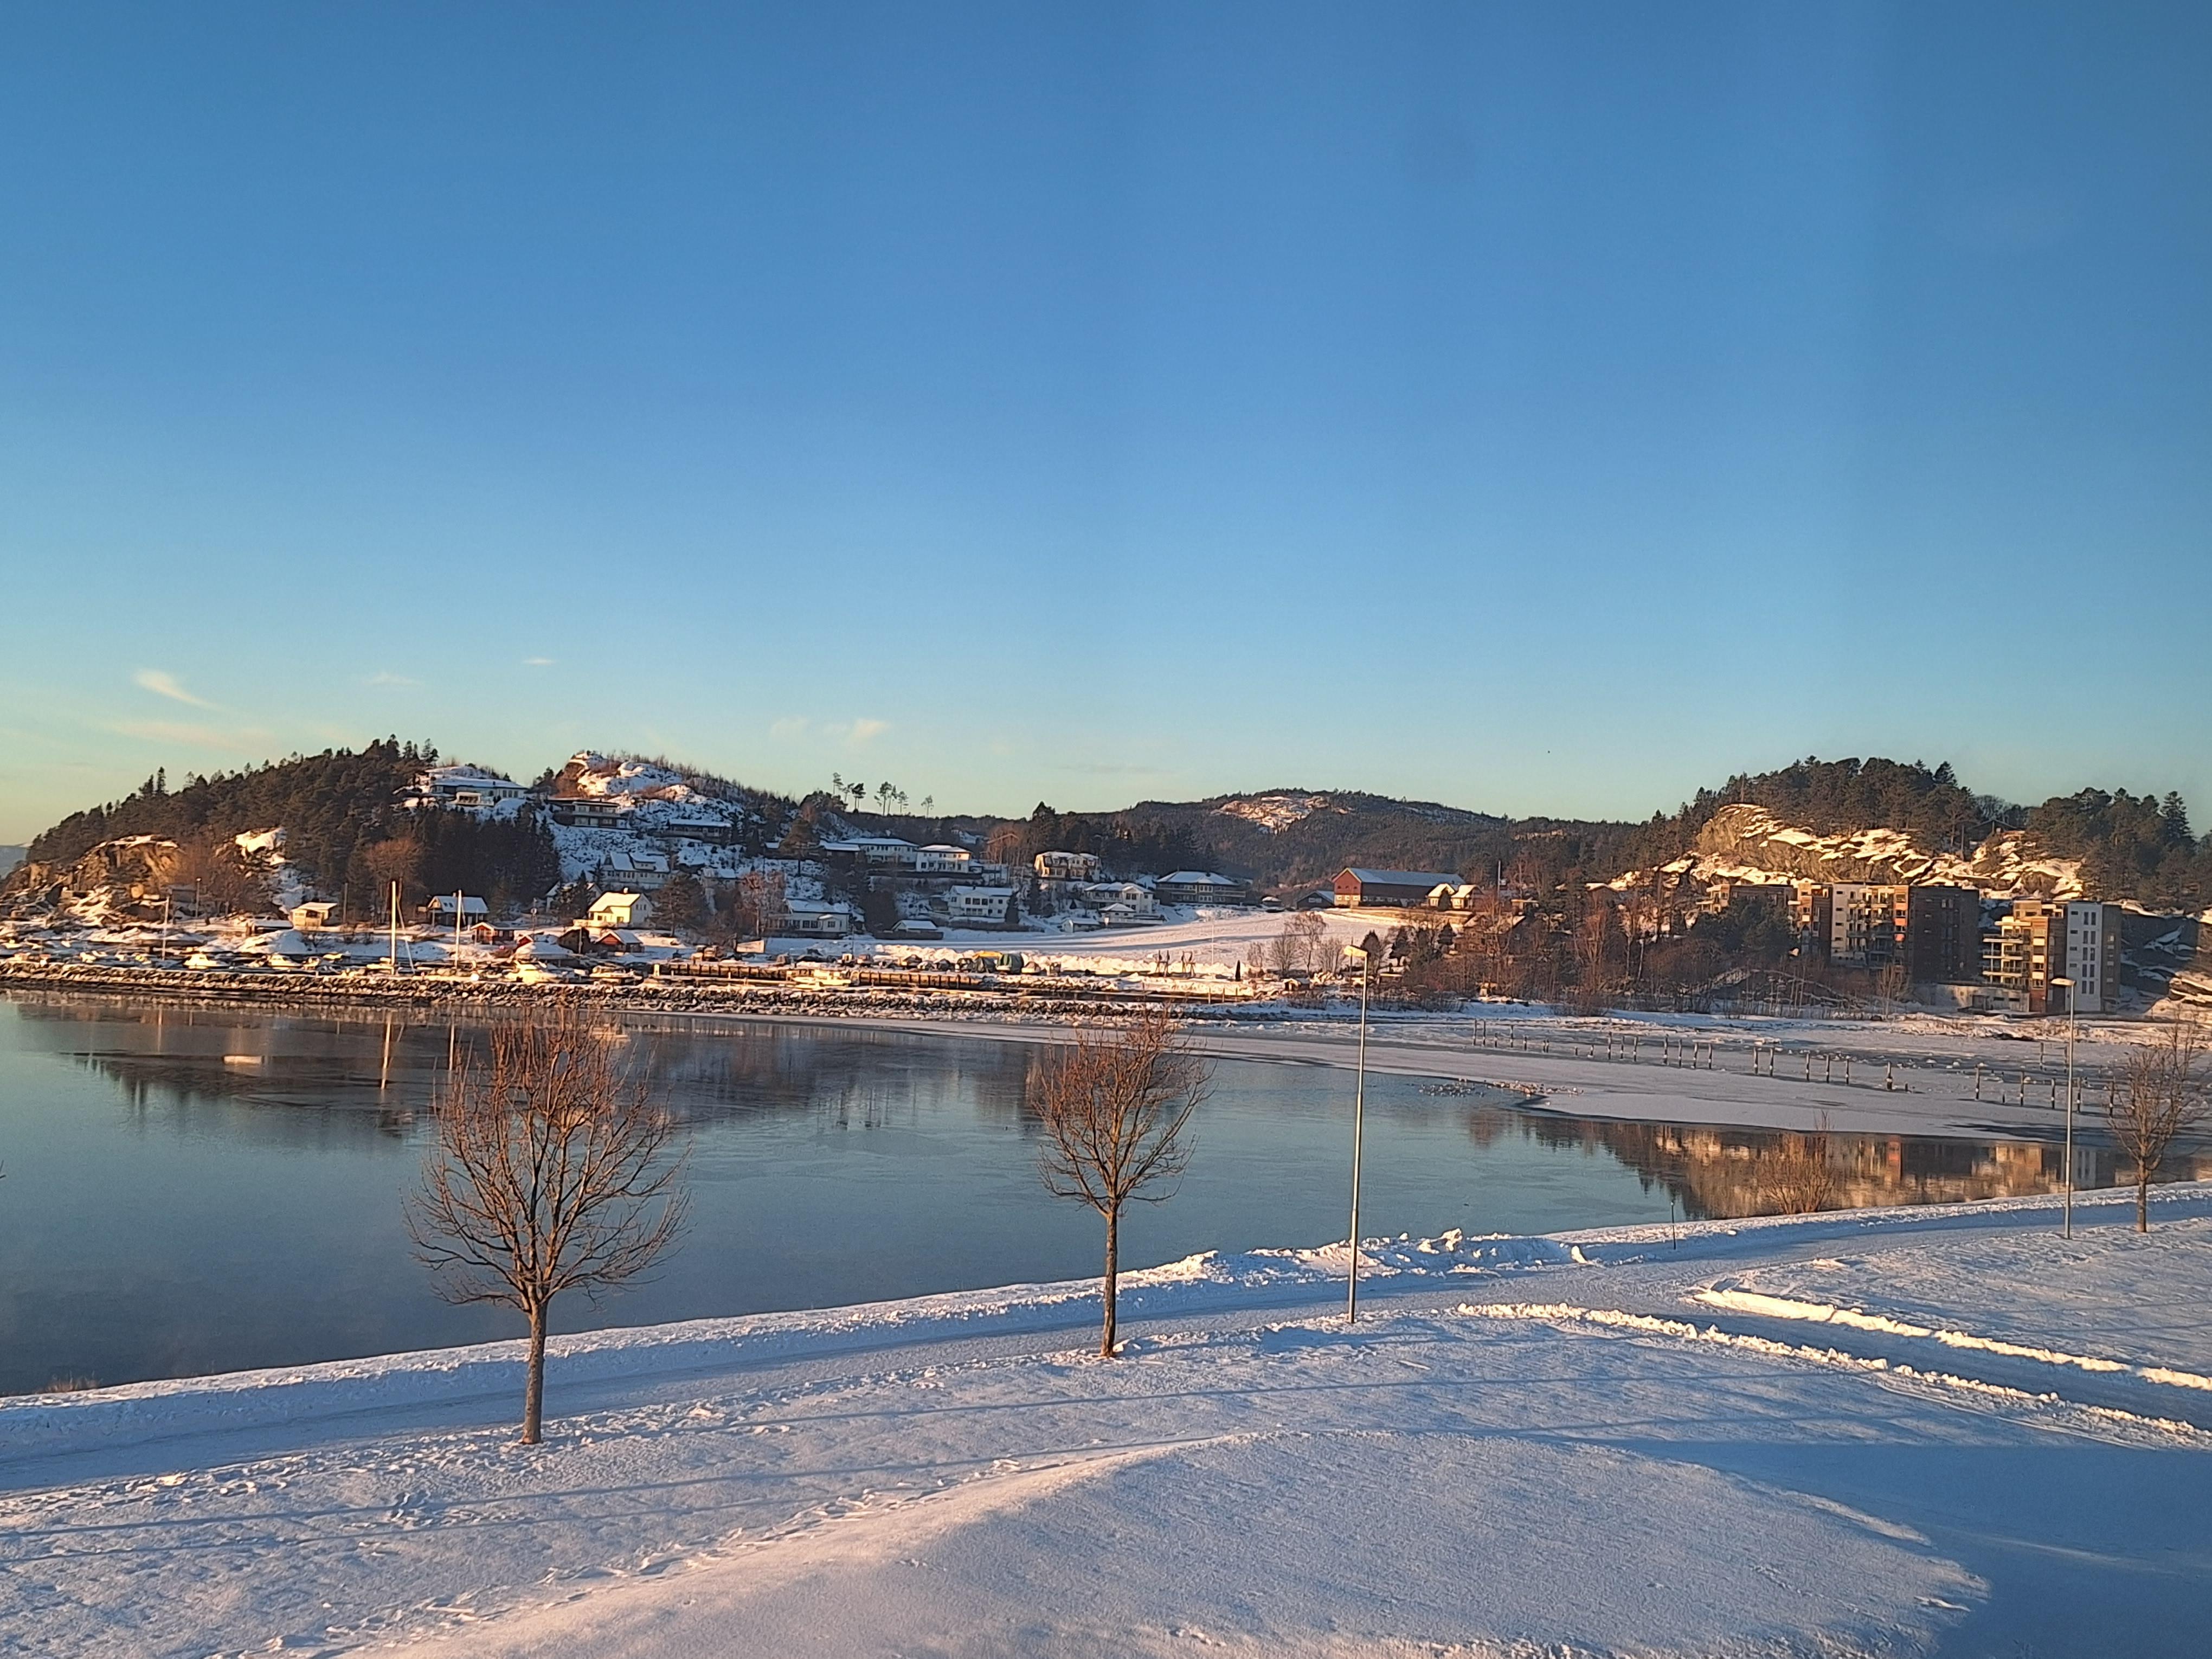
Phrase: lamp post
[1358,1122]
[2066,1227]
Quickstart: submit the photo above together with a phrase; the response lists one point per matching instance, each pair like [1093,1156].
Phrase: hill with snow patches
[1750,842]
[600,816]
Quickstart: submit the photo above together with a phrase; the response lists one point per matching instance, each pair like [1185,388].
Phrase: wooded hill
[343,825]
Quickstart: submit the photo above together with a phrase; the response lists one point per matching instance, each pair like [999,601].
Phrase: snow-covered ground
[1882,1432]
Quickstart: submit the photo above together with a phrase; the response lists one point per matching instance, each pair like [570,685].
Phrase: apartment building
[2092,956]
[1931,929]
[2024,952]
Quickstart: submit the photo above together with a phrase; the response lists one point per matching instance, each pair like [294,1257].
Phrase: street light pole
[1358,1123]
[2066,1227]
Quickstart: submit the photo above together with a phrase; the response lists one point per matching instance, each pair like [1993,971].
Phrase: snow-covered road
[1888,1431]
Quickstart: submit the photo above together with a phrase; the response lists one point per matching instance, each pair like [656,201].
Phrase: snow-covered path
[1889,1431]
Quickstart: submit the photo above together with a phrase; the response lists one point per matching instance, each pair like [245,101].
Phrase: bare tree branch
[551,1171]
[1115,1106]
[2162,1098]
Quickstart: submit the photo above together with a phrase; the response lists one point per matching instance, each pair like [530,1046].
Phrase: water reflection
[203,1189]
[1726,1174]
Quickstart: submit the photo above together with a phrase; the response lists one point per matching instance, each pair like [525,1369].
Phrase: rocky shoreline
[766,997]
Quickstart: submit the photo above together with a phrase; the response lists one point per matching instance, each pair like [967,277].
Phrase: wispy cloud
[539,662]
[164,685]
[790,727]
[386,677]
[866,731]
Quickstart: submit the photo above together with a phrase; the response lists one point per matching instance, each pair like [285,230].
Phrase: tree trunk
[1112,1273]
[2142,1197]
[533,1390]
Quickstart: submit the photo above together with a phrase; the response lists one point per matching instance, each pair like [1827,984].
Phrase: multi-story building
[2025,952]
[2092,956]
[1942,934]
[1065,866]
[1867,923]
[1931,929]
[1809,910]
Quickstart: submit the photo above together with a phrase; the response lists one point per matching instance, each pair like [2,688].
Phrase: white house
[875,852]
[611,910]
[1130,898]
[1065,866]
[315,914]
[634,872]
[981,907]
[444,907]
[2092,956]
[943,861]
[471,785]
[810,919]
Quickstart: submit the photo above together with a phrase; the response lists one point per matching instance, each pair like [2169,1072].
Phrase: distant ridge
[1852,819]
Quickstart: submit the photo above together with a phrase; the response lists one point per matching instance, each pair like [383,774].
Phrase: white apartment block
[2092,957]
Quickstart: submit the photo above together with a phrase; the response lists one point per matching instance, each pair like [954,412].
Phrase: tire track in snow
[1732,1299]
[2087,1416]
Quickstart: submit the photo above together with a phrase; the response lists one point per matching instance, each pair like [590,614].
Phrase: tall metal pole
[2068,1230]
[1358,1123]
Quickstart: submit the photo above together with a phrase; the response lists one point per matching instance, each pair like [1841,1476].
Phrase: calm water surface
[207,1190]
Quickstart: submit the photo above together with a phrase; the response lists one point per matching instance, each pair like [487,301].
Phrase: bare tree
[1298,947]
[758,909]
[224,879]
[551,1172]
[2160,1099]
[1115,1106]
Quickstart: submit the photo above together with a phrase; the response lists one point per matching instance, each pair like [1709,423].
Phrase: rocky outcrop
[136,869]
[2006,864]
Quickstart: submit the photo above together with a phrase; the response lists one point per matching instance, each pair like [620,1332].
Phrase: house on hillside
[312,917]
[1402,888]
[811,919]
[592,813]
[982,906]
[617,910]
[472,786]
[634,872]
[445,909]
[942,859]
[885,852]
[712,832]
[1200,887]
[1065,866]
[1131,899]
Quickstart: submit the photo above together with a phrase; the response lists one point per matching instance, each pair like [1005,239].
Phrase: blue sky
[1539,409]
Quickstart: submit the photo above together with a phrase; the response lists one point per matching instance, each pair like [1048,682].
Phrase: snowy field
[1882,1432]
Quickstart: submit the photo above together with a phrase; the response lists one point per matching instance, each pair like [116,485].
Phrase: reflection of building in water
[1722,1172]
